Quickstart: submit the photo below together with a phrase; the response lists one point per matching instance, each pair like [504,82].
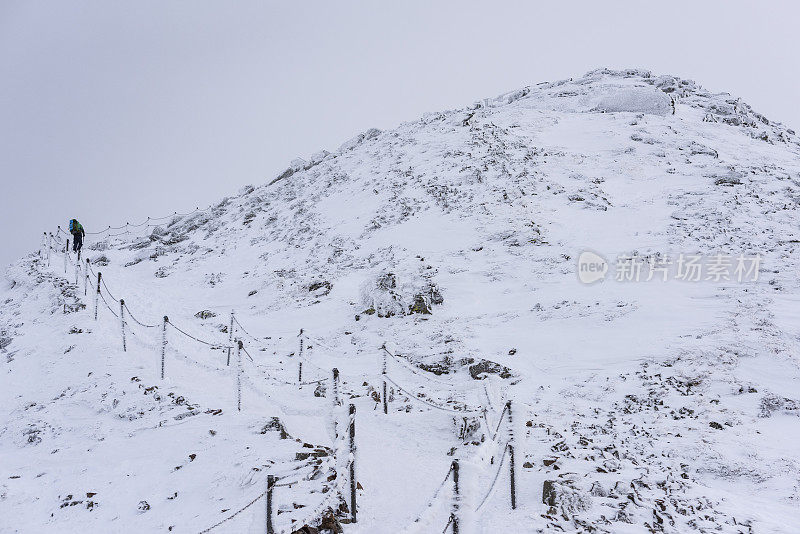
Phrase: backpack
[74,226]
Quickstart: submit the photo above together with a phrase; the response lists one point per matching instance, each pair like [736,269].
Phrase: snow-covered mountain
[660,405]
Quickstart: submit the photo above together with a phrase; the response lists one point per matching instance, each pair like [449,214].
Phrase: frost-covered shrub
[635,100]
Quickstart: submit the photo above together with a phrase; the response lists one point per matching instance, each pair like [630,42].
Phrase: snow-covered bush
[635,100]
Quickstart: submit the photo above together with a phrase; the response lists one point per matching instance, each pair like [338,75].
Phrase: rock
[205,314]
[715,425]
[598,490]
[485,366]
[549,493]
[527,465]
[330,523]
[562,495]
[253,292]
[143,507]
[320,289]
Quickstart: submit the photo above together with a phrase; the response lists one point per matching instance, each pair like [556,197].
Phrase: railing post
[301,343]
[49,246]
[239,374]
[270,485]
[352,462]
[97,295]
[66,254]
[163,345]
[384,397]
[122,323]
[335,386]
[456,498]
[77,272]
[512,466]
[230,340]
[299,372]
[86,280]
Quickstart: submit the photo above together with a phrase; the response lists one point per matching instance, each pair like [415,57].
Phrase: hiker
[77,232]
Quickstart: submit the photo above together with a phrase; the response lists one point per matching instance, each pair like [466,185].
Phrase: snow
[655,405]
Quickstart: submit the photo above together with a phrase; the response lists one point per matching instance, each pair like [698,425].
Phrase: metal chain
[414,371]
[137,321]
[248,505]
[212,345]
[430,502]
[107,306]
[110,294]
[496,476]
[431,403]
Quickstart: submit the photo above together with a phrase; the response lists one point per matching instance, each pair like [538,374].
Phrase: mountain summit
[614,254]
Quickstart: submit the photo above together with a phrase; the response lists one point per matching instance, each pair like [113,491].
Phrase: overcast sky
[114,111]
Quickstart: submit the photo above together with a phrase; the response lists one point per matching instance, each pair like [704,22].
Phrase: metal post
[299,372]
[230,339]
[512,467]
[122,323]
[335,386]
[77,272]
[86,280]
[163,345]
[66,253]
[456,498]
[353,463]
[239,374]
[301,343]
[97,295]
[49,238]
[384,397]
[270,485]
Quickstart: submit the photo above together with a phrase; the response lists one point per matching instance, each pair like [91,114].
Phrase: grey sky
[112,111]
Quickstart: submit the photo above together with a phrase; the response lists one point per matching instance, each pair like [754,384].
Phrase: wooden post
[239,374]
[97,295]
[164,345]
[384,397]
[122,323]
[512,466]
[299,372]
[456,498]
[335,387]
[230,340]
[270,485]
[353,463]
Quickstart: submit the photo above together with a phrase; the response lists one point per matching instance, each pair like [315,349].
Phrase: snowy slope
[654,406]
